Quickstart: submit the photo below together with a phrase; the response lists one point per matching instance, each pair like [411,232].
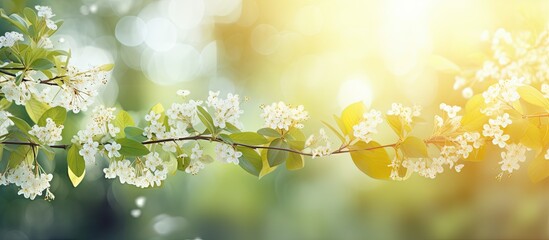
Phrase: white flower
[183,93]
[282,116]
[45,42]
[467,92]
[14,93]
[406,114]
[10,38]
[451,111]
[47,14]
[369,125]
[5,122]
[514,154]
[30,183]
[320,146]
[88,151]
[78,92]
[112,149]
[225,110]
[227,154]
[44,11]
[49,134]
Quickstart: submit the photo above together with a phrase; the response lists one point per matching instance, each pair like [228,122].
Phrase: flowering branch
[506,115]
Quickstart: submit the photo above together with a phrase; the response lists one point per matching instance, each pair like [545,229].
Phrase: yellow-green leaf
[351,116]
[57,114]
[35,109]
[251,138]
[375,162]
[538,168]
[295,161]
[266,168]
[413,147]
[75,180]
[123,119]
[250,160]
[533,96]
[75,161]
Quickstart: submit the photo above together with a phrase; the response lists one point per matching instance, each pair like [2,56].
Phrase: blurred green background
[323,54]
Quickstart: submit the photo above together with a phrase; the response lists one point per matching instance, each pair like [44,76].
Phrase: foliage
[509,117]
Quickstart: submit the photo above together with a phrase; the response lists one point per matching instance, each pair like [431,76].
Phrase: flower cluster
[406,114]
[196,163]
[78,92]
[500,95]
[49,134]
[450,123]
[5,122]
[494,129]
[225,110]
[148,171]
[513,155]
[227,154]
[10,38]
[30,183]
[101,127]
[522,55]
[363,129]
[283,117]
[47,14]
[183,115]
[19,94]
[320,145]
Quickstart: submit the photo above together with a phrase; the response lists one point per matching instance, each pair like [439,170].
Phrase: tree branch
[213,139]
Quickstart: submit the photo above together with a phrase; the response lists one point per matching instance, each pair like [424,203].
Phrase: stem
[525,116]
[46,81]
[213,139]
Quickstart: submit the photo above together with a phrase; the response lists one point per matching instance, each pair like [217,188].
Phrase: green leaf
[42,64]
[134,133]
[413,147]
[206,119]
[269,132]
[277,157]
[20,124]
[250,138]
[57,114]
[373,162]
[533,96]
[123,119]
[36,109]
[132,148]
[250,160]
[231,128]
[30,15]
[21,153]
[48,152]
[295,161]
[351,116]
[295,138]
[226,138]
[75,161]
[4,104]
